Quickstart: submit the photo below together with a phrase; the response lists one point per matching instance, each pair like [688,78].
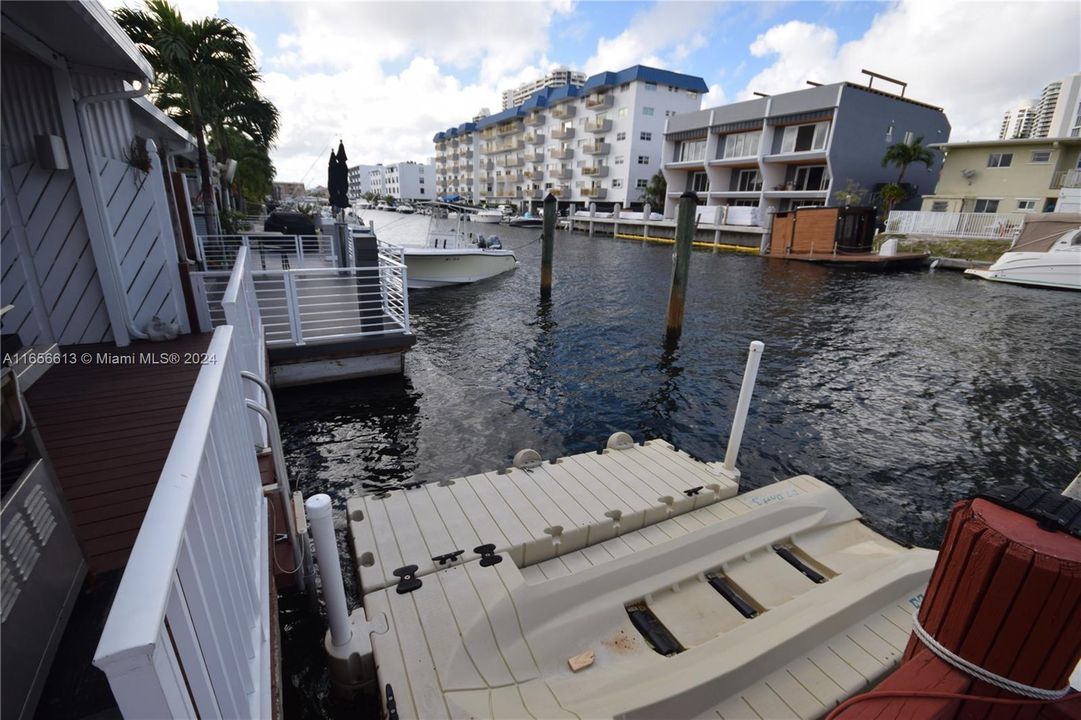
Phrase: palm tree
[904,154]
[654,192]
[189,59]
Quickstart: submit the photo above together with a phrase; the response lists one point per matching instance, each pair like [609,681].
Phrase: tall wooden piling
[548,235]
[681,264]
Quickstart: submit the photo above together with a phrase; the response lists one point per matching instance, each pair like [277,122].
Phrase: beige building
[1005,176]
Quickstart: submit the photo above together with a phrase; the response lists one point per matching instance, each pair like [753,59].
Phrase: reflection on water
[907,391]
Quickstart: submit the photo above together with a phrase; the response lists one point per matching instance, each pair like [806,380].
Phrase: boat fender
[487,555]
[620,441]
[408,580]
[527,459]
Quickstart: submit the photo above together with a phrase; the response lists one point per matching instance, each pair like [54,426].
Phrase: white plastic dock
[690,600]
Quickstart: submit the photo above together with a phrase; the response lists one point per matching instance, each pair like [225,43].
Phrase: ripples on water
[908,391]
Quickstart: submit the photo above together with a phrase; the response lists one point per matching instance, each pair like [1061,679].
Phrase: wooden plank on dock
[533,514]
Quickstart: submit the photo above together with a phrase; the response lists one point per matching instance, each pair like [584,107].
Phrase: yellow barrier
[696,243]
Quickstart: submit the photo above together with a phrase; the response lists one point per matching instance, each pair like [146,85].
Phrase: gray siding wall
[859,141]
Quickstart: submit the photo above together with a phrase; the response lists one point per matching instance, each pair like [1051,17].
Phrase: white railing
[188,634]
[298,307]
[241,310]
[951,224]
[1066,179]
[268,252]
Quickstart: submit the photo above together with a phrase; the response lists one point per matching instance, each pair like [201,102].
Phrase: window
[810,177]
[621,136]
[690,150]
[641,183]
[623,112]
[669,113]
[940,206]
[748,181]
[617,182]
[1040,156]
[909,137]
[698,182]
[1026,204]
[983,205]
[647,136]
[741,144]
[804,138]
[651,86]
[619,160]
[643,159]
[999,160]
[647,111]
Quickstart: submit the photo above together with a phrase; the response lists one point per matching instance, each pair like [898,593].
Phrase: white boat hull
[1060,269]
[430,267]
[488,219]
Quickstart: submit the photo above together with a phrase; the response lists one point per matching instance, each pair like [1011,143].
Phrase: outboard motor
[494,244]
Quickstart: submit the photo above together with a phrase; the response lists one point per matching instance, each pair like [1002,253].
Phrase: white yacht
[1047,253]
[452,256]
[491,217]
[405,209]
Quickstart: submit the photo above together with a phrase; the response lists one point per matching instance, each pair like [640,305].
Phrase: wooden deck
[108,427]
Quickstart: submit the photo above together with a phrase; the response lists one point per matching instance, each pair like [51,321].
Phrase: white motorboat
[452,256]
[406,209]
[1047,253]
[526,221]
[491,217]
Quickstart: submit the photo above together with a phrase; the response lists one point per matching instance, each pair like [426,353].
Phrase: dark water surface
[907,391]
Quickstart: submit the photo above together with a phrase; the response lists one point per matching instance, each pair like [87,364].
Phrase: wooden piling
[548,245]
[681,263]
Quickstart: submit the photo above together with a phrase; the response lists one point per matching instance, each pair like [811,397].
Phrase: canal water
[907,391]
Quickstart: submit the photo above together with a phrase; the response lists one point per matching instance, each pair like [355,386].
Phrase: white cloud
[660,37]
[971,58]
[714,97]
[338,73]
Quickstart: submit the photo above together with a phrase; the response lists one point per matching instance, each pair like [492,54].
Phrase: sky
[384,77]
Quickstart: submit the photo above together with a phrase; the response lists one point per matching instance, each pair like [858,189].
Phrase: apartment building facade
[1017,122]
[600,143]
[556,78]
[1056,113]
[359,181]
[798,148]
[403,181]
[1007,176]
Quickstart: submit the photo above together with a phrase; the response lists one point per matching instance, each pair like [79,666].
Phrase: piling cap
[318,506]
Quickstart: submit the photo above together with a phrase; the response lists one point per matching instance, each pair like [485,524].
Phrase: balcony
[594,193]
[599,101]
[564,111]
[563,153]
[559,172]
[535,192]
[597,148]
[510,162]
[467,153]
[487,133]
[486,176]
[1066,179]
[534,118]
[510,128]
[598,126]
[488,148]
[515,177]
[597,170]
[534,156]
[512,144]
[563,133]
[536,174]
[535,138]
[560,191]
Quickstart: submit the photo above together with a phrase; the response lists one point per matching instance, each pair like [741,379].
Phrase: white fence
[241,310]
[298,307]
[950,224]
[268,252]
[188,633]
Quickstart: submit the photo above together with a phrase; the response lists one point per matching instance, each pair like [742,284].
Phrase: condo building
[403,181]
[1056,113]
[798,149]
[557,78]
[359,180]
[1017,122]
[600,143]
